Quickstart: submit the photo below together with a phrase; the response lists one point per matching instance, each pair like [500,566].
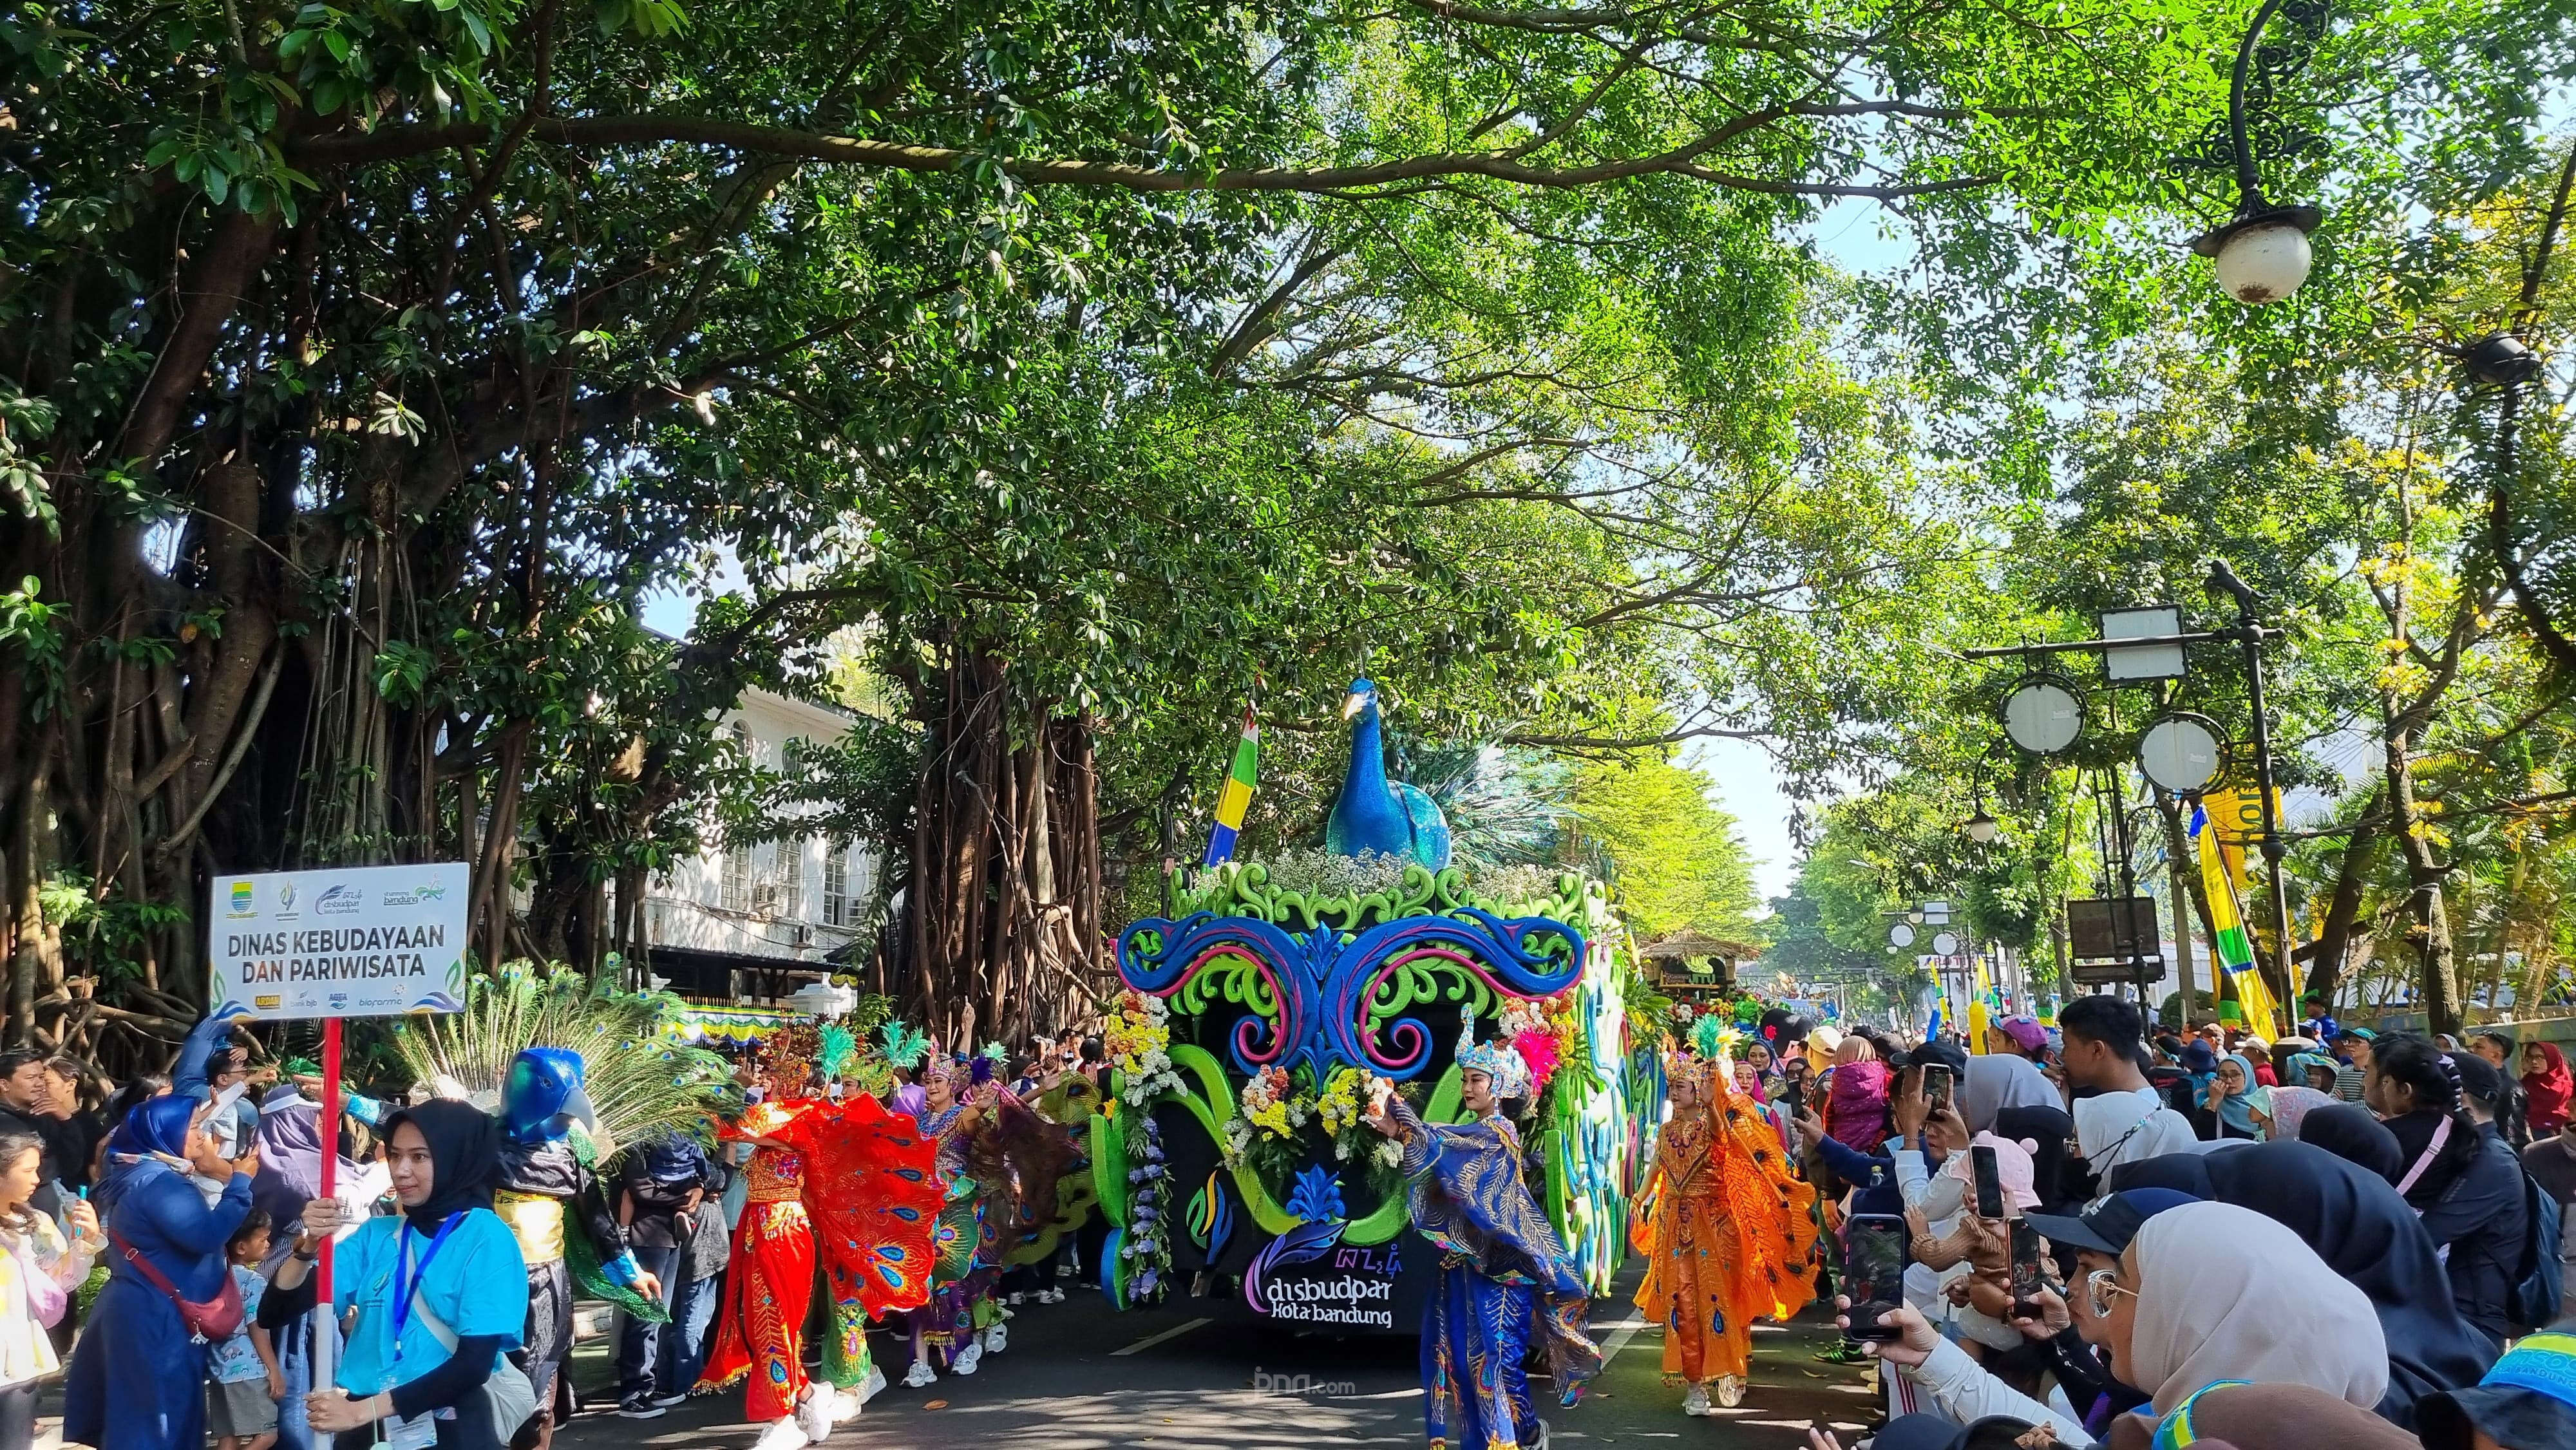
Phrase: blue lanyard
[406,1283]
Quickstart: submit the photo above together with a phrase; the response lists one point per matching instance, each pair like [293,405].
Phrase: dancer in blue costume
[1505,1278]
[138,1376]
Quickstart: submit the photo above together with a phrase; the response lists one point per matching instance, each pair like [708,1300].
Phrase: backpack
[2536,1281]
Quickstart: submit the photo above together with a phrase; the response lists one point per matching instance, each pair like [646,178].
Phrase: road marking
[1150,1340]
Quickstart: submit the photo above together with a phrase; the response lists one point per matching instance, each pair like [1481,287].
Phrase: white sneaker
[1017,1296]
[845,1406]
[966,1358]
[875,1386]
[1695,1401]
[1730,1390]
[997,1339]
[782,1435]
[914,1378]
[814,1413]
[1055,1296]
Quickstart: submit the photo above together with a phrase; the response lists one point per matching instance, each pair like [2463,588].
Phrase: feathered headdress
[1498,1060]
[835,1051]
[902,1046]
[1712,1036]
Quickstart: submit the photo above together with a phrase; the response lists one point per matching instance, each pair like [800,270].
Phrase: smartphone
[1936,1085]
[1990,1182]
[2029,1269]
[1874,1272]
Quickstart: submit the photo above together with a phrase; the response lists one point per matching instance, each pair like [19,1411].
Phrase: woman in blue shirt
[138,1375]
[433,1300]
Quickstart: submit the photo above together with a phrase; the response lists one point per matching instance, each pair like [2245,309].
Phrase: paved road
[1079,1377]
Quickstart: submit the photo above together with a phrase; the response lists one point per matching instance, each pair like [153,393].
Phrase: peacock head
[1362,701]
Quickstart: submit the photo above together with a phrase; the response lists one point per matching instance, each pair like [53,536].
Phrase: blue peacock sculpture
[1373,814]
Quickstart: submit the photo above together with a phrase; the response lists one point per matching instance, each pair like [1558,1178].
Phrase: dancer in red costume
[852,1179]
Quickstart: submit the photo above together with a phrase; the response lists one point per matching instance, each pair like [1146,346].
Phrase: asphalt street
[1077,1376]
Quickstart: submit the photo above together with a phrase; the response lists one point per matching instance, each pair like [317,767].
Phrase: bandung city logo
[338,901]
[245,901]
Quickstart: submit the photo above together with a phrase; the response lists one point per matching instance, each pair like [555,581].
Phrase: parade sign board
[354,941]
[1345,1286]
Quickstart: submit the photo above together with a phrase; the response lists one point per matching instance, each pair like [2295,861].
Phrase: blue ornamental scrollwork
[1321,1000]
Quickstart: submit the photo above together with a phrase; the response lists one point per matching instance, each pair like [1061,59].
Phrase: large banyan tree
[364,367]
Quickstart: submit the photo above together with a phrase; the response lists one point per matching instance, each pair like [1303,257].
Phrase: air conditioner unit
[765,898]
[804,935]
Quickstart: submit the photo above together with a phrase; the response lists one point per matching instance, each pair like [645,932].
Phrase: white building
[745,922]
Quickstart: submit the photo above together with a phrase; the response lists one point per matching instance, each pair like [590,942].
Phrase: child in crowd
[244,1383]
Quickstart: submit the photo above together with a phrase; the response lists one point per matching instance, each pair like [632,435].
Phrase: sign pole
[329,1133]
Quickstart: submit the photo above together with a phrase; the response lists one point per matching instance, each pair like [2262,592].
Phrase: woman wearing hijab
[2353,1219]
[1856,1100]
[2355,1134]
[1996,1081]
[2229,1097]
[432,1299]
[1766,1067]
[2051,1166]
[2283,1109]
[137,1376]
[2265,1417]
[2547,1086]
[2205,1294]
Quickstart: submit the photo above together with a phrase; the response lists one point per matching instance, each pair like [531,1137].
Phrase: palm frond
[641,1080]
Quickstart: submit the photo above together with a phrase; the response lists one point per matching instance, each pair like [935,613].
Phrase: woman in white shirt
[38,1271]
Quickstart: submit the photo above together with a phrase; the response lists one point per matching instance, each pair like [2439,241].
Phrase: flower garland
[1148,1244]
[1139,1043]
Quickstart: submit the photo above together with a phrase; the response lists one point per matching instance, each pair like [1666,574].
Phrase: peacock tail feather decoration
[639,1079]
[997,1052]
[902,1045]
[837,1048]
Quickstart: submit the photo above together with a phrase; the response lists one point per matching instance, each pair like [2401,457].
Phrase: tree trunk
[2352,873]
[2437,970]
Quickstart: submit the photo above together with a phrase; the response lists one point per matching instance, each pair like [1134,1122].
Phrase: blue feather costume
[1504,1279]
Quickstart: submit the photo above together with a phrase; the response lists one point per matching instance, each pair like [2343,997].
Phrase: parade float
[1256,1009]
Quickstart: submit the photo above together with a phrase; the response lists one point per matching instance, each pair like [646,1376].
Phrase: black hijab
[2052,1129]
[464,1150]
[2356,1222]
[2353,1133]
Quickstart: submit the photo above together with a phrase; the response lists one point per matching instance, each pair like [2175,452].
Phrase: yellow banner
[2236,815]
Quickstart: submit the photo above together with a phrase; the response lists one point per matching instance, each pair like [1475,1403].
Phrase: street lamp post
[2249,634]
[2262,253]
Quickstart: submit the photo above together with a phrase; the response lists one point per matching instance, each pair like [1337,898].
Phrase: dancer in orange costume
[1729,1233]
[867,1177]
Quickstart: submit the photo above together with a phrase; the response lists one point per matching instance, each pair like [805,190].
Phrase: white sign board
[354,941]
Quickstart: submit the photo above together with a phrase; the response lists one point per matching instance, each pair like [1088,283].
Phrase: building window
[836,884]
[733,885]
[791,878]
